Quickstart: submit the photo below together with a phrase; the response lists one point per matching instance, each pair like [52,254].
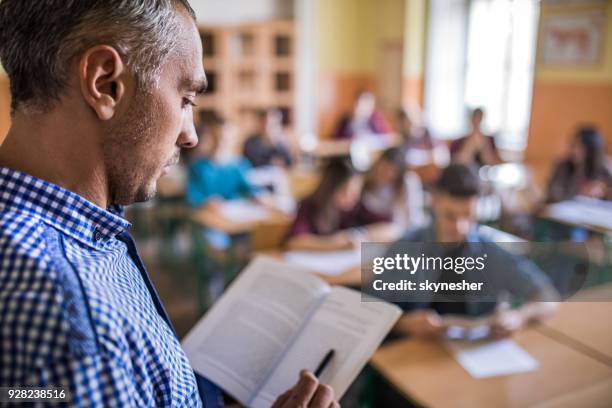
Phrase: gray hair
[39,39]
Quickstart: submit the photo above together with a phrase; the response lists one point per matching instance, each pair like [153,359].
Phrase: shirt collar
[429,233]
[60,208]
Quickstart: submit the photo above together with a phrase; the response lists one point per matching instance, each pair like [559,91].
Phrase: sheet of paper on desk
[243,211]
[326,263]
[583,211]
[492,358]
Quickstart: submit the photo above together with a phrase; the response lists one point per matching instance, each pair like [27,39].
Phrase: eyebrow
[197,85]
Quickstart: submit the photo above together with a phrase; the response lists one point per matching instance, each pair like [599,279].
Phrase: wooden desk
[212,217]
[595,396]
[424,371]
[587,322]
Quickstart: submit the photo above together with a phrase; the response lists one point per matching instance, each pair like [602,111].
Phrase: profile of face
[578,151]
[454,217]
[384,173]
[347,195]
[476,119]
[365,105]
[405,126]
[143,139]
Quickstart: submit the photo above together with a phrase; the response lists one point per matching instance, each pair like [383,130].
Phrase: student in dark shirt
[455,229]
[323,218]
[476,147]
[267,146]
[583,171]
[364,119]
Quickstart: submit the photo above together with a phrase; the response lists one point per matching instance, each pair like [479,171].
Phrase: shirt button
[97,236]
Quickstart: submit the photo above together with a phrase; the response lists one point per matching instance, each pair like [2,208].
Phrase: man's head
[454,202]
[476,118]
[125,71]
[365,104]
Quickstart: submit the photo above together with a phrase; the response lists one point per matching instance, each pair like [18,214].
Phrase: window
[495,72]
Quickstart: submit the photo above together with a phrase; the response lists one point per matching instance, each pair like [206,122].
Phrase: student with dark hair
[210,180]
[390,194]
[583,171]
[363,119]
[454,232]
[323,217]
[413,136]
[267,145]
[476,147]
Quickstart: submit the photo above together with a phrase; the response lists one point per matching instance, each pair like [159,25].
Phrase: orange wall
[336,95]
[5,106]
[557,108]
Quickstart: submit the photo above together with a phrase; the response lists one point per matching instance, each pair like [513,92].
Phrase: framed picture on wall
[572,39]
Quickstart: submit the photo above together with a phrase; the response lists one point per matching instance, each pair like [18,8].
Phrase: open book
[276,320]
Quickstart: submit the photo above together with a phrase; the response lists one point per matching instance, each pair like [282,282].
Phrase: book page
[352,328]
[240,341]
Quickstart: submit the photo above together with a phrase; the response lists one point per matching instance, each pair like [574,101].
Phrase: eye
[188,102]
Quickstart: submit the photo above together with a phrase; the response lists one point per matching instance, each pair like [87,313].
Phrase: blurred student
[454,209]
[390,194]
[413,136]
[420,148]
[210,180]
[323,218]
[476,147]
[583,171]
[267,145]
[363,120]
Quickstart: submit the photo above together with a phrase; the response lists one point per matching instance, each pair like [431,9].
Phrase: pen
[324,363]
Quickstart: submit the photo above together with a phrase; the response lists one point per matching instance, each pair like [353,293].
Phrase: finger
[282,399]
[323,397]
[304,389]
[334,404]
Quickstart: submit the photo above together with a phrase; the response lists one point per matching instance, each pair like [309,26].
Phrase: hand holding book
[308,392]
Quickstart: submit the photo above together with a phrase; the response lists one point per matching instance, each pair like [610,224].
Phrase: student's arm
[507,321]
[420,323]
[246,188]
[463,150]
[489,153]
[524,280]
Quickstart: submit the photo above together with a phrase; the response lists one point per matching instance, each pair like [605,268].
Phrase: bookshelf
[249,67]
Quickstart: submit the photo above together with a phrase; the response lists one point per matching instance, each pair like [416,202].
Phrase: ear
[102,80]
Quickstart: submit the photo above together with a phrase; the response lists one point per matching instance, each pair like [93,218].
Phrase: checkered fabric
[76,307]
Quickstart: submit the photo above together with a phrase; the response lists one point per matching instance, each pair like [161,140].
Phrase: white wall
[238,11]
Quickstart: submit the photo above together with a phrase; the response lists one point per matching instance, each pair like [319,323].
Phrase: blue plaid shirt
[77,309]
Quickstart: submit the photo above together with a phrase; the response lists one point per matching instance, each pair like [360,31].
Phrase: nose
[188,138]
[463,226]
